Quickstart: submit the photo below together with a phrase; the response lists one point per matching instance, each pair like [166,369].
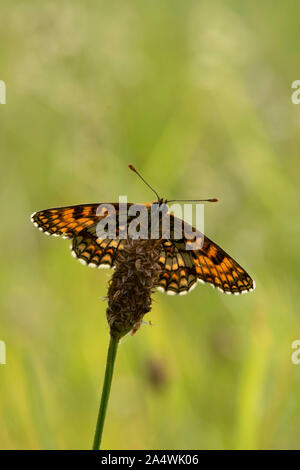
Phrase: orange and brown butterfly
[181,268]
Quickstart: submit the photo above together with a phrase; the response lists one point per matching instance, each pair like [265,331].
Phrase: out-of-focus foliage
[197,95]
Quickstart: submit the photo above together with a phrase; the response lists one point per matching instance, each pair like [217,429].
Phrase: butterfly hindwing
[79,223]
[182,268]
[178,274]
[94,252]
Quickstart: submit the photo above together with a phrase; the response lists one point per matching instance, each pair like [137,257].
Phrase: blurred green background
[197,95]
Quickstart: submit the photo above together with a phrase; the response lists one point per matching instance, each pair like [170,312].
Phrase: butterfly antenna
[194,200]
[135,171]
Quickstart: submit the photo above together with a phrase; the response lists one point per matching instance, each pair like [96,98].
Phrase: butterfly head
[158,202]
[161,200]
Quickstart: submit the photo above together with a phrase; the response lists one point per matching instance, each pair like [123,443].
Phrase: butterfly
[181,268]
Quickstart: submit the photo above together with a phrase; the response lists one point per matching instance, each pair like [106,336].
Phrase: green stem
[110,362]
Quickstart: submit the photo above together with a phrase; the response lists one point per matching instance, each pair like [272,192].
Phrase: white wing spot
[192,287]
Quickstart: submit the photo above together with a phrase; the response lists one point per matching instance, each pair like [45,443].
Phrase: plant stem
[110,362]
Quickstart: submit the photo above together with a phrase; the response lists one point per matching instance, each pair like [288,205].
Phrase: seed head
[130,288]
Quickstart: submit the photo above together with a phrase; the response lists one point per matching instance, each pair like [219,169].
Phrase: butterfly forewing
[66,221]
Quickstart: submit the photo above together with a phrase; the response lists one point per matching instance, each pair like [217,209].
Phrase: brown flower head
[130,288]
